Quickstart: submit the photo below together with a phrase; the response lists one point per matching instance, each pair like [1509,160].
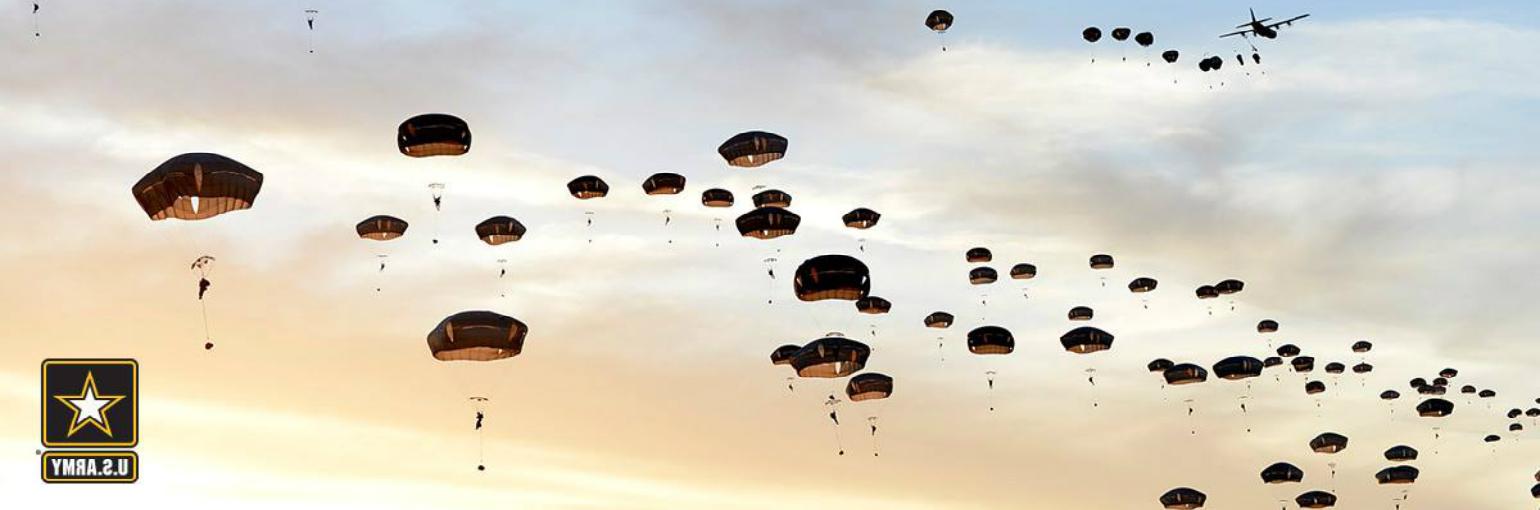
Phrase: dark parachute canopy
[1267,326]
[830,357]
[979,255]
[1363,368]
[1159,365]
[939,20]
[588,186]
[1303,364]
[832,277]
[1101,261]
[1288,350]
[1435,408]
[1144,39]
[1329,442]
[1534,492]
[1515,413]
[716,197]
[500,229]
[1492,438]
[1023,271]
[861,218]
[991,340]
[1431,390]
[197,186]
[1487,394]
[1362,346]
[1417,382]
[1390,395]
[982,275]
[1206,292]
[1170,56]
[433,134]
[869,386]
[782,355]
[1185,373]
[1121,33]
[1440,382]
[1401,453]
[939,320]
[873,305]
[753,148]
[381,228]
[1142,284]
[1315,387]
[1316,499]
[1230,286]
[477,336]
[1468,389]
[1335,368]
[663,183]
[1081,313]
[1238,367]
[772,198]
[1183,498]
[768,223]
[1272,361]
[1086,340]
[1282,472]
[1448,373]
[1091,34]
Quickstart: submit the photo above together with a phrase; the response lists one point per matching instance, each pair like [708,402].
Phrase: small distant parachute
[1183,498]
[939,20]
[433,134]
[197,186]
[588,186]
[861,218]
[1401,453]
[1121,33]
[1329,442]
[1081,313]
[939,320]
[1448,373]
[1303,364]
[1468,389]
[1144,39]
[753,148]
[1238,367]
[982,275]
[1487,394]
[477,336]
[1282,472]
[1417,382]
[873,305]
[499,230]
[1335,368]
[830,357]
[1271,361]
[1207,292]
[832,277]
[1023,271]
[1230,286]
[979,255]
[1288,350]
[782,355]
[1086,340]
[1159,365]
[869,386]
[1170,56]
[1267,326]
[1315,387]
[768,223]
[1492,438]
[663,183]
[1316,499]
[1141,285]
[381,228]
[1185,373]
[1435,408]
[991,340]
[1101,261]
[1362,346]
[772,198]
[1363,368]
[1390,395]
[716,197]
[1091,34]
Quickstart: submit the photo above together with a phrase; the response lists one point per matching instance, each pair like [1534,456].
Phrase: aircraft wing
[1238,32]
[1288,21]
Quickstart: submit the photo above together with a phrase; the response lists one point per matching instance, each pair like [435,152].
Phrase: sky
[1372,179]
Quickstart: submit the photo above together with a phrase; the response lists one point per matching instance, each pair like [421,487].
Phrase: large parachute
[433,134]
[197,186]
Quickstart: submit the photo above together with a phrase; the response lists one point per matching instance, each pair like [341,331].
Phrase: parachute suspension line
[437,191]
[310,15]
[201,265]
[479,404]
[37,31]
[833,404]
[770,263]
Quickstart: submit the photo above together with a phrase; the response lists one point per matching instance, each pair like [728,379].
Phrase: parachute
[767,223]
[1101,261]
[979,255]
[1144,39]
[1362,346]
[1121,33]
[939,20]
[197,186]
[1315,387]
[1448,373]
[1023,271]
[1086,340]
[477,336]
[1288,350]
[1229,286]
[716,197]
[830,357]
[499,230]
[1238,367]
[861,218]
[1091,34]
[663,183]
[1435,408]
[381,228]
[1267,326]
[1316,499]
[1159,365]
[1363,368]
[1185,373]
[753,148]
[1081,313]
[869,386]
[1183,498]
[1142,285]
[1329,442]
[873,305]
[772,198]
[991,340]
[1170,56]
[938,320]
[588,186]
[433,134]
[1335,368]
[1401,453]
[1282,472]
[1303,364]
[831,277]
[782,355]
[982,275]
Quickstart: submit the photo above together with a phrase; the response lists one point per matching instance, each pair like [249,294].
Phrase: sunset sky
[1376,183]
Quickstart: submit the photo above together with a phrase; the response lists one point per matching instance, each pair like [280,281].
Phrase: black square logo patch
[90,403]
